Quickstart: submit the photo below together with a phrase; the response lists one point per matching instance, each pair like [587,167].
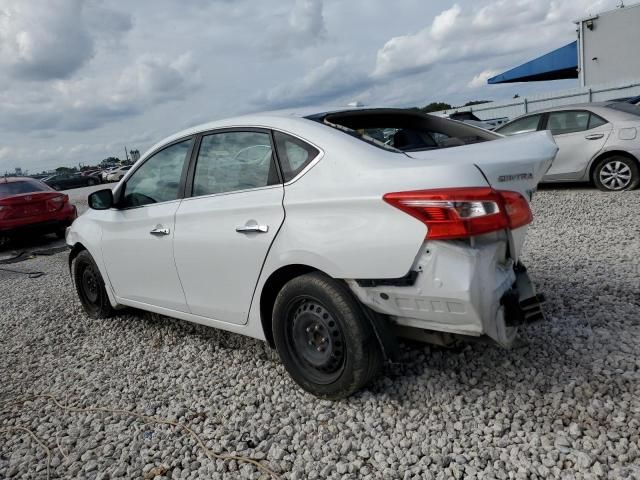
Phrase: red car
[29,205]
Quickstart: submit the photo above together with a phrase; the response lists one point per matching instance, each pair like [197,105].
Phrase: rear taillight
[463,212]
[56,203]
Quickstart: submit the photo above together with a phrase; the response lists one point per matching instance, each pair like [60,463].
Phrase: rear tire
[616,174]
[90,287]
[323,337]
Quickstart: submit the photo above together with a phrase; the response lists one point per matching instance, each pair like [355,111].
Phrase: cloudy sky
[80,79]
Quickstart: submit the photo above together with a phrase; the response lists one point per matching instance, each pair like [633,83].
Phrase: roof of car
[601,108]
[266,118]
[573,106]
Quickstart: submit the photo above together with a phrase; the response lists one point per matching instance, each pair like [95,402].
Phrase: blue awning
[556,65]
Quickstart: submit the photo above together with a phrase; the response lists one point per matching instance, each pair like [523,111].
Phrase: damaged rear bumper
[458,289]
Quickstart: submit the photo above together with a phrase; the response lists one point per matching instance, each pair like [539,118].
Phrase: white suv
[305,230]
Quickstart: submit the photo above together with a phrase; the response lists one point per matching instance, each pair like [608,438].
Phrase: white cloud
[80,77]
[302,27]
[495,28]
[88,102]
[480,80]
[333,78]
[43,40]
[444,24]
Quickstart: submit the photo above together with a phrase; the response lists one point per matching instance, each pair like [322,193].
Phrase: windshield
[625,107]
[23,186]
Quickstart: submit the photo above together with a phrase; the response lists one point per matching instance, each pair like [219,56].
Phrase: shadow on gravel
[567,186]
[31,242]
[158,324]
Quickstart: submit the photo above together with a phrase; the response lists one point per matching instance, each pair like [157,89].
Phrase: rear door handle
[253,228]
[594,136]
[160,230]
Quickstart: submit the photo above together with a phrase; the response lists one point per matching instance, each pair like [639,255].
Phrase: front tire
[90,286]
[323,338]
[616,173]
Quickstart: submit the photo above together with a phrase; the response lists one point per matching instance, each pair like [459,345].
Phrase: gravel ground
[566,404]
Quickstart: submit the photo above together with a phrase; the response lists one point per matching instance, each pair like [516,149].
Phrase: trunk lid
[32,204]
[515,163]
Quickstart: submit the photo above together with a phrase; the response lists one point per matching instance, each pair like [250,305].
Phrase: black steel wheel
[316,339]
[90,286]
[323,338]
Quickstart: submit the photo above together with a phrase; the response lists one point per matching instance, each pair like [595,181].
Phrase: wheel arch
[282,275]
[270,290]
[75,251]
[608,154]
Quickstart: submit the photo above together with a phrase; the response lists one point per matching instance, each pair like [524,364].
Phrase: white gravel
[566,404]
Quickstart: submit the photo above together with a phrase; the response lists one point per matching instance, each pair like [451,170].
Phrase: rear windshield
[22,186]
[625,107]
[404,130]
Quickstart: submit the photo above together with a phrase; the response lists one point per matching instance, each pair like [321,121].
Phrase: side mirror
[101,199]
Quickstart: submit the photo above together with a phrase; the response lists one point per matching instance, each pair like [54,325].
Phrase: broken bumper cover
[521,303]
[460,290]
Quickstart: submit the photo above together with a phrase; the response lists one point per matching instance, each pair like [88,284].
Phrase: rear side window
[294,154]
[596,121]
[523,125]
[568,121]
[234,161]
[17,188]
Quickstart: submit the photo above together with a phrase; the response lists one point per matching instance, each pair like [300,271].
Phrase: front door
[224,231]
[138,236]
[580,135]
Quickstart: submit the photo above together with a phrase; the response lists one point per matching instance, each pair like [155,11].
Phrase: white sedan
[599,142]
[117,173]
[304,230]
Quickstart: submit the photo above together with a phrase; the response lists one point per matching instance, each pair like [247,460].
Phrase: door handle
[594,136]
[253,228]
[160,230]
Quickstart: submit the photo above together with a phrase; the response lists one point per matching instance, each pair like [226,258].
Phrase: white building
[604,59]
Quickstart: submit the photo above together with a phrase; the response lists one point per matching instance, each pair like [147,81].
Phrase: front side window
[523,125]
[158,179]
[233,161]
[294,154]
[568,121]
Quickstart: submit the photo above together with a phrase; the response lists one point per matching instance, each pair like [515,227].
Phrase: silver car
[599,142]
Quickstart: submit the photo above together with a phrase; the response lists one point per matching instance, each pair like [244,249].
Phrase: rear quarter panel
[337,221]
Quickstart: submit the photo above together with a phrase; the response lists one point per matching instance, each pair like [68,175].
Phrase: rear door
[580,135]
[224,230]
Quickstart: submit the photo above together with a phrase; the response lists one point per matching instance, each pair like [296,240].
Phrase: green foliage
[476,102]
[435,106]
